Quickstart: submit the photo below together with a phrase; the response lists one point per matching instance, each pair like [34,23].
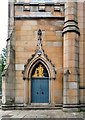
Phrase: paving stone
[40,115]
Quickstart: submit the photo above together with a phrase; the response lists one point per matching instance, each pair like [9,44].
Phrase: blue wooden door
[40,90]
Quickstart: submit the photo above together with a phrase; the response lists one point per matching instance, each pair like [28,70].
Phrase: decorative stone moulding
[41,6]
[71,26]
[39,57]
[26,8]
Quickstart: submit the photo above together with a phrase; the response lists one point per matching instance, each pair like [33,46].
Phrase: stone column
[71,58]
[26,92]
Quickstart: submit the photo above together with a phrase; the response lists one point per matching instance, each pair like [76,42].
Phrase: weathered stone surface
[60,46]
[19,99]
[19,66]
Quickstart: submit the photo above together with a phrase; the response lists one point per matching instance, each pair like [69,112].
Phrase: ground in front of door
[40,115]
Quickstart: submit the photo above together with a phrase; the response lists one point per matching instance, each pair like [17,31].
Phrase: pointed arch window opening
[39,71]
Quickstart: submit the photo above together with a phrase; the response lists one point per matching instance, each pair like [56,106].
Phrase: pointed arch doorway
[39,84]
[38,74]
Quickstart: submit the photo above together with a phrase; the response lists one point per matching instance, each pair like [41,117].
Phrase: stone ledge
[35,4]
[71,28]
[38,17]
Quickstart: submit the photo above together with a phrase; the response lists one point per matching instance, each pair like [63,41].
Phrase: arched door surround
[42,58]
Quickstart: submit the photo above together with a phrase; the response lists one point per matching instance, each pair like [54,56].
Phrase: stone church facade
[45,49]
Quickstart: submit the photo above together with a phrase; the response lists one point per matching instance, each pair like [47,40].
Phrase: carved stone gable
[39,56]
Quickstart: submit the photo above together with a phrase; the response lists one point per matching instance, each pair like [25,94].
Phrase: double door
[40,90]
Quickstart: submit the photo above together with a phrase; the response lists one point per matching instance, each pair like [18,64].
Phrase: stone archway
[27,73]
[38,57]
[27,76]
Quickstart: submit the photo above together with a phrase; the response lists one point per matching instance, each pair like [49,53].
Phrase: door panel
[35,90]
[44,89]
[40,90]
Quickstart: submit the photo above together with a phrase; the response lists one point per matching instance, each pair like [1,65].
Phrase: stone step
[8,107]
[41,108]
